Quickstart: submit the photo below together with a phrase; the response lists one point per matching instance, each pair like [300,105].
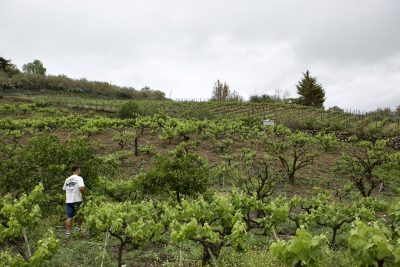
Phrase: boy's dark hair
[75,167]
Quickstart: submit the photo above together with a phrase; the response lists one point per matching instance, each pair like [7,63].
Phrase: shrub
[180,172]
[129,110]
[45,159]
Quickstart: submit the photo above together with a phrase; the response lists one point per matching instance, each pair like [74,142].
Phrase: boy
[75,195]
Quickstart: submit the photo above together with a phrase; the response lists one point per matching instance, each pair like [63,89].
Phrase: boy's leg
[69,224]
[70,215]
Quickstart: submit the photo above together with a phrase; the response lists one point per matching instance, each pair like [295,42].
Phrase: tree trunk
[26,242]
[291,178]
[136,146]
[333,240]
[208,248]
[178,197]
[20,249]
[381,262]
[120,251]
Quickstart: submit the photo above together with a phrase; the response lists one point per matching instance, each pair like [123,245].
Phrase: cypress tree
[311,92]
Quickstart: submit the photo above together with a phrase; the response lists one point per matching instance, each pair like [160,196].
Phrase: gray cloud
[183,46]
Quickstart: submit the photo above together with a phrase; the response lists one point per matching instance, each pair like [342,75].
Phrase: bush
[179,172]
[335,109]
[264,98]
[45,159]
[129,110]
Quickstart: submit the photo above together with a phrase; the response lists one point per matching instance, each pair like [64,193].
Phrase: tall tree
[311,92]
[7,66]
[4,64]
[221,91]
[35,67]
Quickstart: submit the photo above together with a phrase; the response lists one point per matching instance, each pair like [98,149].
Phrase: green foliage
[302,249]
[44,159]
[129,110]
[150,149]
[7,67]
[179,171]
[200,114]
[25,212]
[310,91]
[13,80]
[241,152]
[212,224]
[294,150]
[120,190]
[364,164]
[130,223]
[325,211]
[335,109]
[370,244]
[270,214]
[45,249]
[16,217]
[222,144]
[327,140]
[122,137]
[264,98]
[35,67]
[257,174]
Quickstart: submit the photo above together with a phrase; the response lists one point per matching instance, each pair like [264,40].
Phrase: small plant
[303,249]
[122,137]
[370,245]
[364,164]
[17,216]
[133,224]
[150,149]
[328,141]
[215,224]
[294,150]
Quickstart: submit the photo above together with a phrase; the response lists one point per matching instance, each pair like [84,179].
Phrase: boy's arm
[82,189]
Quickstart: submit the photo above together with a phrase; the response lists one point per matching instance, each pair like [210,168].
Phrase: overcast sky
[183,47]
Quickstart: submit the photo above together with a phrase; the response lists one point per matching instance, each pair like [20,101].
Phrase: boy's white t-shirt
[71,187]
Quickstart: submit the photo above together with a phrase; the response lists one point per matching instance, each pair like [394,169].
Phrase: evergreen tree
[311,92]
[7,67]
[4,64]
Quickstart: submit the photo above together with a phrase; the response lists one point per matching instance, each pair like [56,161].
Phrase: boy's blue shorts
[72,208]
